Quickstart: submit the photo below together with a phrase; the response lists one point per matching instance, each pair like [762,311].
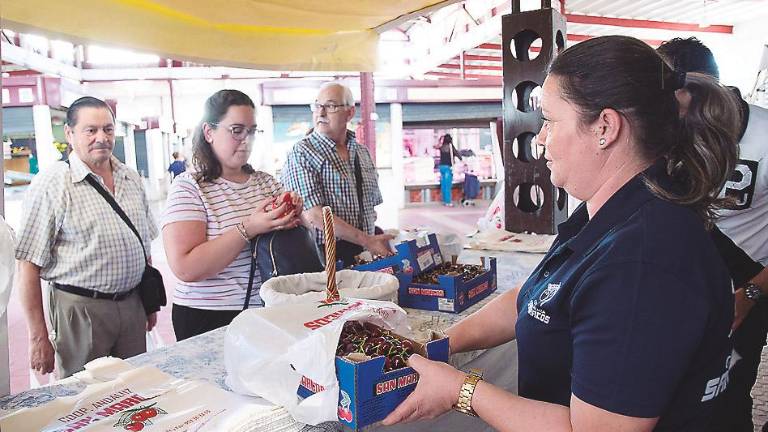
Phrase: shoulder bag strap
[359,187]
[116,207]
[251,272]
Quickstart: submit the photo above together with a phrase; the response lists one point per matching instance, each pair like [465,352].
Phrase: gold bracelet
[243,233]
[464,404]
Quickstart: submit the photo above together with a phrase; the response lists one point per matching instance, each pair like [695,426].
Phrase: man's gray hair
[349,98]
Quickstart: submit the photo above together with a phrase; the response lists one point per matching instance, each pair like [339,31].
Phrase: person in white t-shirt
[7,261]
[211,214]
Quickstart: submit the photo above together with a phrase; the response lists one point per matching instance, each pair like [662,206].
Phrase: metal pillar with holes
[532,203]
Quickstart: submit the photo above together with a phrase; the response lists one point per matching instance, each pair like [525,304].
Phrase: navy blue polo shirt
[630,312]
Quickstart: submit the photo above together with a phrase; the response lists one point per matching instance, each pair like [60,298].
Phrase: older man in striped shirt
[329,167]
[73,239]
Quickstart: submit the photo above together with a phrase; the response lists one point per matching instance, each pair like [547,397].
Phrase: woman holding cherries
[214,211]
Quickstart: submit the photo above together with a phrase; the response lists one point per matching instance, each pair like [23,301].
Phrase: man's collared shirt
[315,170]
[76,238]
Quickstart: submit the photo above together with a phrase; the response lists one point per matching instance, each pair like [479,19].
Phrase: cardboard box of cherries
[371,366]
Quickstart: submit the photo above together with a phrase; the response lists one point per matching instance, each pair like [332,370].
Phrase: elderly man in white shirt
[73,239]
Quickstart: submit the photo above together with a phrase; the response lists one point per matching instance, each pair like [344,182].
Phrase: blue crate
[451,294]
[411,257]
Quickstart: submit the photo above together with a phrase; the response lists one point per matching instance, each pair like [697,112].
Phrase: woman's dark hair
[447,139]
[207,167]
[625,74]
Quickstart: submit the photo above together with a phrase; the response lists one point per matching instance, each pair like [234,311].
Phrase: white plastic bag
[494,216]
[36,380]
[154,340]
[144,398]
[310,287]
[450,245]
[268,351]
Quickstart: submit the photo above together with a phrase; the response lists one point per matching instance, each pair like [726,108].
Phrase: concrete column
[129,144]
[46,152]
[368,107]
[156,176]
[398,177]
[263,153]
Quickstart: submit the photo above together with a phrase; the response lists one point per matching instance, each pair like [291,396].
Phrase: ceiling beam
[473,57]
[470,76]
[393,24]
[470,67]
[31,60]
[489,46]
[648,24]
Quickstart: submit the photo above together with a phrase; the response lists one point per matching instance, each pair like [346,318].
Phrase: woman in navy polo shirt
[624,325]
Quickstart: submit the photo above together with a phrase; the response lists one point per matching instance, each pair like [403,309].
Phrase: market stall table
[202,357]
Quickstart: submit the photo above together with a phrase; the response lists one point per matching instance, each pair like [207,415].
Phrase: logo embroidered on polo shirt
[534,308]
[549,293]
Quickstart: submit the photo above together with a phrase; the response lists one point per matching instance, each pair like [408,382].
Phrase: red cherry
[138,416]
[287,198]
[149,413]
[136,426]
[288,201]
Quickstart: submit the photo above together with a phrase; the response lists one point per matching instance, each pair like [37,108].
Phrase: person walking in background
[213,213]
[447,154]
[178,166]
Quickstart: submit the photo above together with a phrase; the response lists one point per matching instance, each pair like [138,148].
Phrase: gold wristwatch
[464,405]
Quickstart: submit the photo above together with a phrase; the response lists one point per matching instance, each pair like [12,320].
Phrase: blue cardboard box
[367,394]
[451,294]
[412,256]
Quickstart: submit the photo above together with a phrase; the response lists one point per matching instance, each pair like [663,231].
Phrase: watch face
[753,292]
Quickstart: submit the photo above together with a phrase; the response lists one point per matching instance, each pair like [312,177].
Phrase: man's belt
[93,294]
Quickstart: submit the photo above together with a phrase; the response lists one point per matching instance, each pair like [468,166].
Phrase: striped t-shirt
[221,204]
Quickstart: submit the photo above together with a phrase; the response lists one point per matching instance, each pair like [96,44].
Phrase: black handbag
[280,253]
[151,288]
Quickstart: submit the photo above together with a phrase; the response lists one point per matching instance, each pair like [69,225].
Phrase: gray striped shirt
[70,231]
[220,204]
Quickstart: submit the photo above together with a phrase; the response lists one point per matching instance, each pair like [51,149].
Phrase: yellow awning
[298,35]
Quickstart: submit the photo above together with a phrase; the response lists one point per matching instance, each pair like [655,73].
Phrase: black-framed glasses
[240,132]
[329,107]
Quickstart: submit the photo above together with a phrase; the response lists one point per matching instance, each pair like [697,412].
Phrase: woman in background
[447,154]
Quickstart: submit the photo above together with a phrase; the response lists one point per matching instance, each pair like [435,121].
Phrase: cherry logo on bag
[138,418]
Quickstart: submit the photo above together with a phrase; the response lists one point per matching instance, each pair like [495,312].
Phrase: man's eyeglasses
[329,107]
[240,132]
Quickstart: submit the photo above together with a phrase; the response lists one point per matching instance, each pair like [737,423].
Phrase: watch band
[753,292]
[464,404]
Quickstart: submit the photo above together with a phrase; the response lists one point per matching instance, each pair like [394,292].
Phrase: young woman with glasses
[213,212]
